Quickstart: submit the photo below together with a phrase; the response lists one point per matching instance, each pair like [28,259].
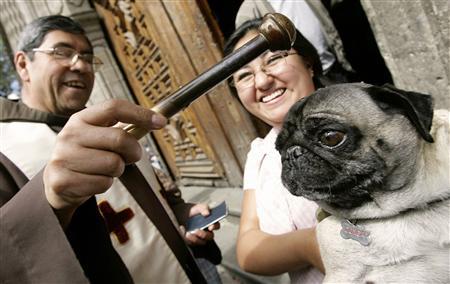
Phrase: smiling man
[57,75]
[75,221]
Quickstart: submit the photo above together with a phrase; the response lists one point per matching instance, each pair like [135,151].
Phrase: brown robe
[34,247]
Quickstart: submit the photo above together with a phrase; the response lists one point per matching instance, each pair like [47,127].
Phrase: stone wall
[413,37]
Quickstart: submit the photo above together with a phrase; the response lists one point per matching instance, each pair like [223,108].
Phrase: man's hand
[89,153]
[200,237]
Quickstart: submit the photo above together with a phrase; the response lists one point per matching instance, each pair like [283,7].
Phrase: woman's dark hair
[301,45]
[34,33]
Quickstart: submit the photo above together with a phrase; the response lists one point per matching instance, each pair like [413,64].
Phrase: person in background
[338,29]
[74,221]
[277,230]
[311,18]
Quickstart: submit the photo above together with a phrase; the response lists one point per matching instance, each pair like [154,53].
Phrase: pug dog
[377,159]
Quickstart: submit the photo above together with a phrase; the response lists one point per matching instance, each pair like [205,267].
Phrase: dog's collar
[426,205]
[351,230]
[322,213]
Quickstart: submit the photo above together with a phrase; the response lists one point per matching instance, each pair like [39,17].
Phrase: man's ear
[21,61]
[310,69]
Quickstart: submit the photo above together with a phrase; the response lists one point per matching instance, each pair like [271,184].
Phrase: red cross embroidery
[115,220]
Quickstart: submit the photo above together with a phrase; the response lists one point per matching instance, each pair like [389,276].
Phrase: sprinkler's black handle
[276,32]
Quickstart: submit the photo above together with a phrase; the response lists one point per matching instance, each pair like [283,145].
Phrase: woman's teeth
[272,96]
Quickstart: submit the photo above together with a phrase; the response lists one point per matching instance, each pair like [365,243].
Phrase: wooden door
[162,45]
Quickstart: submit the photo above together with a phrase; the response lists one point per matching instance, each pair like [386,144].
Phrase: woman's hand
[266,254]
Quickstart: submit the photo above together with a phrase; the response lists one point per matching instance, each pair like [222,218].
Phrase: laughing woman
[277,229]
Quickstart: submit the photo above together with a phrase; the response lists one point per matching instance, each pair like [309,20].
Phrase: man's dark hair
[33,34]
[301,45]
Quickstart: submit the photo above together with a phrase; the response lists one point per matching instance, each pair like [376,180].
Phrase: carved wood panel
[149,40]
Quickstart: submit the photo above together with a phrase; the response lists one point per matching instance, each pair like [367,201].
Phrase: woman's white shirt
[278,211]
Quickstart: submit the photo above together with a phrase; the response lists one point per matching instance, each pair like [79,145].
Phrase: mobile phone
[200,222]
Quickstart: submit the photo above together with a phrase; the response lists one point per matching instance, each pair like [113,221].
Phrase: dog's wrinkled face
[340,146]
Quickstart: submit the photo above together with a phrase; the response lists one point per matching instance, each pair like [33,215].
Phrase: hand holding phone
[200,222]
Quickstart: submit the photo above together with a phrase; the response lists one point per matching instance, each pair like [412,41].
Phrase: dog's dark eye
[331,138]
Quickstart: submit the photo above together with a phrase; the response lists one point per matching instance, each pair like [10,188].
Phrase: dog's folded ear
[417,107]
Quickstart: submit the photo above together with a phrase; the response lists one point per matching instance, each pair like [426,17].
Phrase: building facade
[151,48]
